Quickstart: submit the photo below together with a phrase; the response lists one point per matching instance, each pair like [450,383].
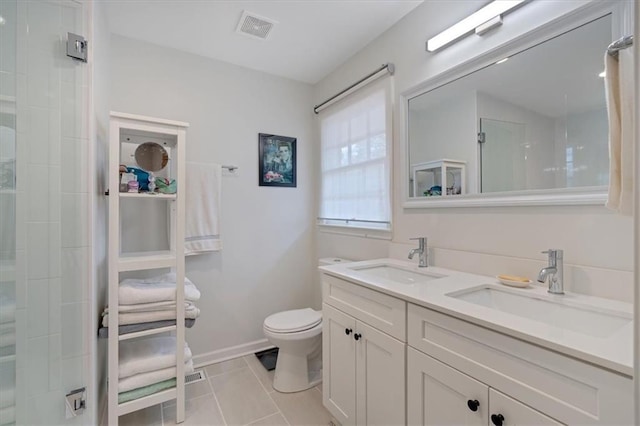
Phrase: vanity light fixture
[603,74]
[502,61]
[483,20]
[2,20]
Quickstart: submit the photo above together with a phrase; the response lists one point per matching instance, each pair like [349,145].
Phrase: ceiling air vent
[255,26]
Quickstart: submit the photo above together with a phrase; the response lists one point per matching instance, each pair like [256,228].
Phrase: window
[355,146]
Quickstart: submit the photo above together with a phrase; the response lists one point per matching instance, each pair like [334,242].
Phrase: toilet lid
[293,321]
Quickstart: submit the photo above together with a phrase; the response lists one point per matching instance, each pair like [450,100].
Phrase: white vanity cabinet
[363,367]
[451,361]
[440,395]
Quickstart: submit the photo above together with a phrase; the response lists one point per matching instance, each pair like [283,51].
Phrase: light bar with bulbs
[470,23]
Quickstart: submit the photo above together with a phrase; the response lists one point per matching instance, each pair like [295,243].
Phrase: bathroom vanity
[409,345]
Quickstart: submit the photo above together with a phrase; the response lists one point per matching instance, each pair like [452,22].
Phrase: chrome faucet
[421,250]
[553,271]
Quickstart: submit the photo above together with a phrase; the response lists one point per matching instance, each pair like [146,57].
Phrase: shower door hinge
[482,137]
[75,402]
[77,47]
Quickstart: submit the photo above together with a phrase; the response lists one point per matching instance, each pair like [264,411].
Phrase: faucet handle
[557,253]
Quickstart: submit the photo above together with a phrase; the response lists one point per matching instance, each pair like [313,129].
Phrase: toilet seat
[294,321]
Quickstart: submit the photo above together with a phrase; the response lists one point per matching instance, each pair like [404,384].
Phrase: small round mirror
[151,156]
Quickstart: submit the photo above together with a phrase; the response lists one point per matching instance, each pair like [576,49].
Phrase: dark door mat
[268,358]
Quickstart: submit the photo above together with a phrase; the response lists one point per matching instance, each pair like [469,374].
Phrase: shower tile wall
[52,213]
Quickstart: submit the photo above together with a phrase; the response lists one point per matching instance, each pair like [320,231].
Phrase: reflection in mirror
[536,121]
[151,156]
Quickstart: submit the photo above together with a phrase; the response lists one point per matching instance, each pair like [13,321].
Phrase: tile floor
[238,392]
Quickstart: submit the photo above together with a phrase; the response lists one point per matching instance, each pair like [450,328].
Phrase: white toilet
[298,335]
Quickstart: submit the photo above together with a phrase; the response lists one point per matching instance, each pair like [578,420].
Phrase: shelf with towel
[135,314]
[146,260]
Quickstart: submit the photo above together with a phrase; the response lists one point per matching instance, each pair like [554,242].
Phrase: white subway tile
[73,329]
[55,306]
[75,220]
[37,308]
[38,193]
[37,373]
[54,362]
[75,274]
[38,135]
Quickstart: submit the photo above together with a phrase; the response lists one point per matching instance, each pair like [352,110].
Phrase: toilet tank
[317,293]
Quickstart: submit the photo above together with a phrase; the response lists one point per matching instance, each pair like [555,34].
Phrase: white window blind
[355,151]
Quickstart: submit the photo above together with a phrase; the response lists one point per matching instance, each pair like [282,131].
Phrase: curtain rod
[386,67]
[619,44]
[353,220]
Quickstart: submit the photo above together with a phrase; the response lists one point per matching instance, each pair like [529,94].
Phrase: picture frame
[276,160]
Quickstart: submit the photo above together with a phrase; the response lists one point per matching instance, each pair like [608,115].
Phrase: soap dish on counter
[514,281]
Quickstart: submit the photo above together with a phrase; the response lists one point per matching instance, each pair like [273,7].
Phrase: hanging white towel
[619,89]
[202,230]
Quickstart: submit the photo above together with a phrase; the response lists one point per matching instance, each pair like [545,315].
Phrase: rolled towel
[7,396]
[156,289]
[145,379]
[141,317]
[8,339]
[144,355]
[7,310]
[8,415]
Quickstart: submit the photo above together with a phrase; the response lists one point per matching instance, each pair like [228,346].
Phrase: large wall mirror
[532,122]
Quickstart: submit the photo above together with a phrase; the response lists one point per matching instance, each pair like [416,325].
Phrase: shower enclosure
[45,219]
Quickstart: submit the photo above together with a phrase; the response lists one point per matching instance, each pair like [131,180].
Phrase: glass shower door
[44,213]
[502,156]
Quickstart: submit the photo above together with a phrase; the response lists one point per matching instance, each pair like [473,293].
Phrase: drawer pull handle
[473,404]
[497,419]
[357,336]
[348,331]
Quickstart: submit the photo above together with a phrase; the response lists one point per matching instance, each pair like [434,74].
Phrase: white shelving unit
[448,174]
[128,128]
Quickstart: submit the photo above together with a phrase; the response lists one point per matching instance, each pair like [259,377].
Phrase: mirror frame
[546,197]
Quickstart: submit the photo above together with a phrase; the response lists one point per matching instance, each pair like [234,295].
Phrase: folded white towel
[8,339]
[140,317]
[7,309]
[145,379]
[148,307]
[7,397]
[202,230]
[151,354]
[156,289]
[8,415]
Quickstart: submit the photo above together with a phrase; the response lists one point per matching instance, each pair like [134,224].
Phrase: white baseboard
[232,352]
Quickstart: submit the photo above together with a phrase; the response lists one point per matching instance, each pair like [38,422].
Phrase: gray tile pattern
[238,392]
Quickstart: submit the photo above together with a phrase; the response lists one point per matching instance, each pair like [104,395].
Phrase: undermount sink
[578,318]
[397,274]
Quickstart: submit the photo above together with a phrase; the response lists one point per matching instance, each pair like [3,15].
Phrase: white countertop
[614,352]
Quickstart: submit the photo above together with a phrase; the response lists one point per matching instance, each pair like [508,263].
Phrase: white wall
[268,261]
[589,235]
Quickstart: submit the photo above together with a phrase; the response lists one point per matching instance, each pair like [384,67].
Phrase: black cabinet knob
[348,331]
[497,419]
[473,404]
[357,336]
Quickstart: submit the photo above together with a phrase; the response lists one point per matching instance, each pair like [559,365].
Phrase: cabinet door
[380,362]
[440,395]
[507,411]
[339,369]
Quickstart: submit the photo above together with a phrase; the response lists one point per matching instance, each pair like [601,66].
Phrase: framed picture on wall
[277,160]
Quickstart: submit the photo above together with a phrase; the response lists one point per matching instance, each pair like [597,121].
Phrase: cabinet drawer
[564,388]
[386,313]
